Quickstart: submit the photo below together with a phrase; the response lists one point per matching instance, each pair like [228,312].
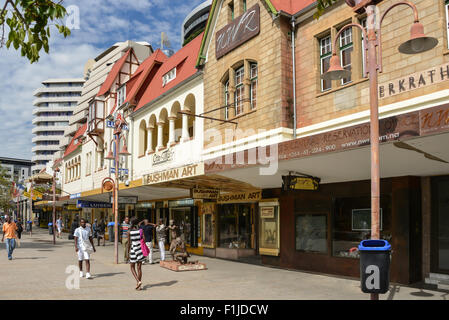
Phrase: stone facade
[315,106]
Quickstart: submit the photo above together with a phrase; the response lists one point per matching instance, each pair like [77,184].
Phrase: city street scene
[224,150]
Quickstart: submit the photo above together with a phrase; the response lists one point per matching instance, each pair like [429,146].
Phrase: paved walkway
[38,271]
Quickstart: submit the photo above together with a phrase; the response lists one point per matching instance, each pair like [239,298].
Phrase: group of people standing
[136,238]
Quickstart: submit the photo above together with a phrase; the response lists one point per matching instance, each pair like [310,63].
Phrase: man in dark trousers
[148,228]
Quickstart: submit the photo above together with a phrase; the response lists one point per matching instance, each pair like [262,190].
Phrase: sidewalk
[38,271]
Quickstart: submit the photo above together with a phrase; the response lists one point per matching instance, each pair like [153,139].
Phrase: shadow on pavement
[101,275]
[162,284]
[30,258]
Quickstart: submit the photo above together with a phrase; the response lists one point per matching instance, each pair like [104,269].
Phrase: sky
[101,24]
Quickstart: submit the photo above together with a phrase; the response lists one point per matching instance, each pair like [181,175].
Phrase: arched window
[190,106]
[143,138]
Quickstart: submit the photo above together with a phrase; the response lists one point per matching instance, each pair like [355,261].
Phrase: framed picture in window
[361,219]
[269,228]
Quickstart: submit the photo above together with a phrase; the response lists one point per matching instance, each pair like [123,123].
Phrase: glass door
[440,224]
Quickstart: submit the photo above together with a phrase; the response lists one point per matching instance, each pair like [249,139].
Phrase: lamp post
[372,39]
[54,203]
[113,184]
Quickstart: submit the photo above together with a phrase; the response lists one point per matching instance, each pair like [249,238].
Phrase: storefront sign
[163,157]
[75,196]
[27,194]
[92,204]
[71,207]
[240,197]
[239,31]
[144,205]
[266,212]
[181,203]
[434,120]
[301,183]
[414,81]
[174,174]
[125,200]
[197,193]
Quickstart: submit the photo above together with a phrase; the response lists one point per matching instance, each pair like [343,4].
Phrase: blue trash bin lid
[50,224]
[111,224]
[374,245]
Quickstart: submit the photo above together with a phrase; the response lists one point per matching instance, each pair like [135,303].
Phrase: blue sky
[101,24]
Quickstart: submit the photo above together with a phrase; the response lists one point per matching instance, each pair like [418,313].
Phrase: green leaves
[321,6]
[29,25]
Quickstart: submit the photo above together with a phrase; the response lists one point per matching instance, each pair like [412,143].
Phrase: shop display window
[352,224]
[235,226]
[208,230]
[311,233]
[269,228]
[182,218]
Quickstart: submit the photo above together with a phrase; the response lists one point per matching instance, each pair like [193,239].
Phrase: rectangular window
[226,100]
[239,90]
[447,20]
[253,79]
[325,57]
[363,24]
[121,95]
[311,233]
[346,48]
[169,76]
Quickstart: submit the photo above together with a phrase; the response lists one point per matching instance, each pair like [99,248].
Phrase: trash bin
[50,228]
[111,231]
[375,266]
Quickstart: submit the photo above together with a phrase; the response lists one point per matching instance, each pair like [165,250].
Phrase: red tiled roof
[186,57]
[73,145]
[106,86]
[291,6]
[148,67]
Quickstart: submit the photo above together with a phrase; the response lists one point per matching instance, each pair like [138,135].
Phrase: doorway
[440,225]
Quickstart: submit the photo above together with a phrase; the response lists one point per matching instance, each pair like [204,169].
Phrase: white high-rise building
[54,104]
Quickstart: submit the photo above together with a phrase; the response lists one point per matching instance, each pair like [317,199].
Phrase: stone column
[185,127]
[160,128]
[171,130]
[150,139]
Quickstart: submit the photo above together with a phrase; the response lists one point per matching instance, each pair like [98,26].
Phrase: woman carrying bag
[137,251]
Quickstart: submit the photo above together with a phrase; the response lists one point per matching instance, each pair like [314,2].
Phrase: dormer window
[169,76]
[95,117]
[121,95]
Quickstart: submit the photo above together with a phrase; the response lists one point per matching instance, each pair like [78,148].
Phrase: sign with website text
[240,197]
[237,32]
[414,81]
[174,174]
[198,193]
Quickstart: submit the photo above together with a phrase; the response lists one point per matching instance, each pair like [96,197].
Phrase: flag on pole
[165,41]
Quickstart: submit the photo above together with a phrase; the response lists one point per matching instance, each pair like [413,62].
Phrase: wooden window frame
[323,56]
[346,46]
[239,87]
[253,84]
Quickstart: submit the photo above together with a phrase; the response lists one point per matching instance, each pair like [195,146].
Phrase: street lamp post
[372,39]
[113,184]
[54,204]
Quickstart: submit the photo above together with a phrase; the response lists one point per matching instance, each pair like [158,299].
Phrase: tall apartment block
[54,104]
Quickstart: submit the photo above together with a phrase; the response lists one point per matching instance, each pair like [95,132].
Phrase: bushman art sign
[174,174]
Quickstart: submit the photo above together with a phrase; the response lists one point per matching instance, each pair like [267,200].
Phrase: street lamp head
[335,71]
[124,151]
[110,155]
[418,42]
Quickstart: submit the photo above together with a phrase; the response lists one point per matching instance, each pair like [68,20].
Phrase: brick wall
[314,107]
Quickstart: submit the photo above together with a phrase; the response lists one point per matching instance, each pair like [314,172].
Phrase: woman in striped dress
[135,252]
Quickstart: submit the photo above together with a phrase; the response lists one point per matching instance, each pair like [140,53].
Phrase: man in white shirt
[160,235]
[83,235]
[59,226]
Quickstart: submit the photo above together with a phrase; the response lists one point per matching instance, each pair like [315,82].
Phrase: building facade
[54,104]
[195,22]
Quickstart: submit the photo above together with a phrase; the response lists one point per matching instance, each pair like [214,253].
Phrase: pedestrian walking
[19,229]
[59,226]
[101,228]
[29,227]
[135,251]
[84,245]
[73,227]
[161,232]
[147,229]
[94,228]
[9,231]
[125,240]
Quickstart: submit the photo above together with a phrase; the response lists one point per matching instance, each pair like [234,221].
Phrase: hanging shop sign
[72,207]
[27,194]
[124,200]
[92,204]
[240,197]
[144,205]
[300,183]
[237,32]
[163,157]
[181,203]
[174,174]
[198,193]
[414,81]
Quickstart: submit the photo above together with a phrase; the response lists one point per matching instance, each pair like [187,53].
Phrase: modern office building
[17,169]
[195,22]
[54,104]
